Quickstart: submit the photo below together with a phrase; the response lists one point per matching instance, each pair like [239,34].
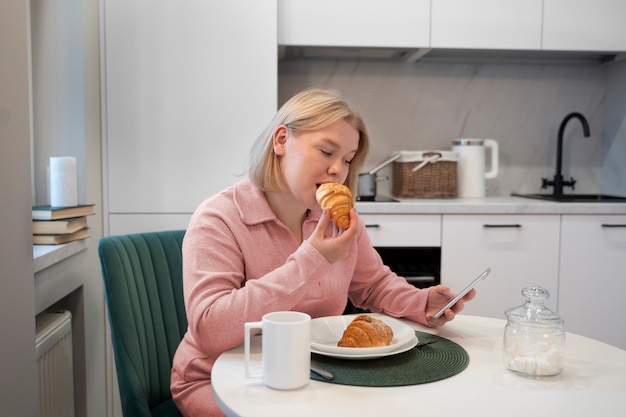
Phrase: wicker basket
[435,176]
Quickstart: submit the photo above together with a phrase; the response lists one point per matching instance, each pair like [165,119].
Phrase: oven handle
[421,279]
[494,226]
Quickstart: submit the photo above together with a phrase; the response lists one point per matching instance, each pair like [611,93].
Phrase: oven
[420,266]
[409,244]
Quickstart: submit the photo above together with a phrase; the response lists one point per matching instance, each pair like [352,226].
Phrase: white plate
[326,332]
[407,346]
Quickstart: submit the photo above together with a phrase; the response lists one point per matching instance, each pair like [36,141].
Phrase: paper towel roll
[63,181]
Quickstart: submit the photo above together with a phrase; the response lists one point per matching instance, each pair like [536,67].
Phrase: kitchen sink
[575,198]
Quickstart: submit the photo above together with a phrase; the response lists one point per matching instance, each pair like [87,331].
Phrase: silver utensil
[322,372]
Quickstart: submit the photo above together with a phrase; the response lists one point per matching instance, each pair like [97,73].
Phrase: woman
[265,245]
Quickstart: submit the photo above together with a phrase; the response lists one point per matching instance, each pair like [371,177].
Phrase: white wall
[58,89]
[18,396]
[66,121]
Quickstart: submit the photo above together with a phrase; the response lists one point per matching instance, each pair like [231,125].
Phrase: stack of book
[58,225]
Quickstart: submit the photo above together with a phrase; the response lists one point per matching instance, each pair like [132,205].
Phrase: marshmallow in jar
[534,337]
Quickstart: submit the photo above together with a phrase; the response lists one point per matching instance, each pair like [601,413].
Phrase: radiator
[55,365]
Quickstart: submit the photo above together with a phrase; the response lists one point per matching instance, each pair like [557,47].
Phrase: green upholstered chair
[143,287]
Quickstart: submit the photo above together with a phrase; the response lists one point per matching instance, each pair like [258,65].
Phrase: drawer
[403,230]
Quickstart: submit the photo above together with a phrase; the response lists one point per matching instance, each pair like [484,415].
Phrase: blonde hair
[311,109]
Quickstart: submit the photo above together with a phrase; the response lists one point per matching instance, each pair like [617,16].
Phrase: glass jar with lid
[534,336]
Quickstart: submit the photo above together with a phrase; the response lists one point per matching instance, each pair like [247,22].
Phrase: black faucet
[558,181]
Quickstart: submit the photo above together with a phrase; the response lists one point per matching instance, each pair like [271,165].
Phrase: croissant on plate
[365,331]
[337,198]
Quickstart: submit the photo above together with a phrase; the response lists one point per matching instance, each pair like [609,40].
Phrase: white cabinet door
[486,24]
[593,277]
[362,23]
[403,230]
[584,25]
[521,250]
[188,86]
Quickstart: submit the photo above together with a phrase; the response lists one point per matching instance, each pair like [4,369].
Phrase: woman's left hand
[337,246]
[439,296]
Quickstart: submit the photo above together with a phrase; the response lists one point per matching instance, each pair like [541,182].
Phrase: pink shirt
[240,262]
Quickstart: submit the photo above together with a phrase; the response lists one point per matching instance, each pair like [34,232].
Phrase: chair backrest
[143,285]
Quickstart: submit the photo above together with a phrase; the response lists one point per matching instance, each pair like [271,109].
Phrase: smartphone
[462,293]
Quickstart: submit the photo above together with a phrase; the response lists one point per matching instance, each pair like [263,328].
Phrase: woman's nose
[337,168]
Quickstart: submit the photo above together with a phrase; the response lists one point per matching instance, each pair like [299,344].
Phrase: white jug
[471,171]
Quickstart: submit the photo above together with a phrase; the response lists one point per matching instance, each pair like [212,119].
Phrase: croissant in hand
[337,198]
[365,331]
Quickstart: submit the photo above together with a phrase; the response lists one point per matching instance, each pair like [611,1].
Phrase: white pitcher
[471,170]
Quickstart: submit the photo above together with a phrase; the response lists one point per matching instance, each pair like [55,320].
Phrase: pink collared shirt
[240,262]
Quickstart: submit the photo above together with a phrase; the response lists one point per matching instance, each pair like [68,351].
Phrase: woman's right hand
[336,246]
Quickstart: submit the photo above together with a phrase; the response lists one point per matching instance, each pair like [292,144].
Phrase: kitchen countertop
[487,205]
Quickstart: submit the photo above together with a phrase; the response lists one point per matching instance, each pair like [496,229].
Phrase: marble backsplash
[423,106]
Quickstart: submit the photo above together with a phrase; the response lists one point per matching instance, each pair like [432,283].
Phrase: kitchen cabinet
[521,250]
[583,25]
[532,25]
[403,230]
[486,24]
[188,86]
[592,284]
[360,23]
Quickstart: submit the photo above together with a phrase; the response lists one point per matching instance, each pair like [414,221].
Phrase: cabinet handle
[613,225]
[494,226]
[372,225]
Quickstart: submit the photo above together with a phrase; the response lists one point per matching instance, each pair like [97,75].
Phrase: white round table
[592,383]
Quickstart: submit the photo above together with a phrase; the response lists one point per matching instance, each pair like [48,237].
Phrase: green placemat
[420,365]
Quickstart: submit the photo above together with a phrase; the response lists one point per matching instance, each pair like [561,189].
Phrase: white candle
[63,181]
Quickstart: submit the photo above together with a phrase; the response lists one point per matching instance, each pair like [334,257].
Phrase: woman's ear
[280,139]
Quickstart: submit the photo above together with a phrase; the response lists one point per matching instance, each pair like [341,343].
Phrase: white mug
[286,349]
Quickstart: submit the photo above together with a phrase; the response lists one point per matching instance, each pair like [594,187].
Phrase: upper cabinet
[486,24]
[365,23]
[522,25]
[584,25]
